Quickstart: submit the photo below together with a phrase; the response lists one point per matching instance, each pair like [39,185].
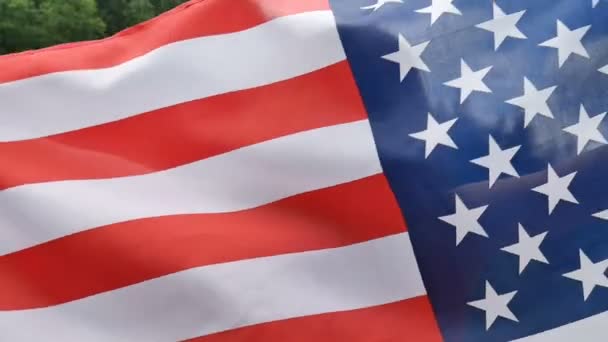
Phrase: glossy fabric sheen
[224,183]
[209,172]
[425,187]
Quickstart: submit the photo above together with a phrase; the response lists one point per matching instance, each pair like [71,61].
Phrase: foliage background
[34,24]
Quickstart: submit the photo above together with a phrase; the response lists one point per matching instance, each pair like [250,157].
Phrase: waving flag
[244,171]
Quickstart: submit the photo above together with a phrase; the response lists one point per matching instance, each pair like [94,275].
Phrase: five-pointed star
[528,248]
[435,134]
[594,3]
[567,42]
[604,69]
[587,129]
[556,188]
[465,220]
[503,25]
[381,3]
[495,305]
[589,274]
[498,161]
[469,81]
[438,7]
[408,57]
[602,215]
[533,101]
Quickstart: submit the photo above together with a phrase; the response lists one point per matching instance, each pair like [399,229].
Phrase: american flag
[244,171]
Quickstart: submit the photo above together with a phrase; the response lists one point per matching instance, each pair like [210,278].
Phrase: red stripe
[194,19]
[186,132]
[409,320]
[123,254]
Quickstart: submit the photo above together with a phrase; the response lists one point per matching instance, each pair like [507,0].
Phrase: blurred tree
[70,20]
[20,26]
[138,11]
[119,14]
[112,13]
[164,5]
[33,24]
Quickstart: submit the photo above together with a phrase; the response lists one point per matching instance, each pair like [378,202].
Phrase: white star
[589,274]
[498,161]
[556,188]
[594,3]
[469,81]
[435,134]
[604,69]
[533,101]
[587,129]
[381,3]
[438,7]
[602,215]
[495,305]
[528,248]
[503,25]
[465,220]
[568,42]
[408,57]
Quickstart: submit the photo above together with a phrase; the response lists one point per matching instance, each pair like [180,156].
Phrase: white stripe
[237,180]
[221,297]
[591,329]
[280,49]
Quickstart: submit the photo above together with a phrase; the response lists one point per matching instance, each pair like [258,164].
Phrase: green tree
[112,13]
[20,26]
[165,5]
[33,24]
[71,20]
[138,11]
[120,14]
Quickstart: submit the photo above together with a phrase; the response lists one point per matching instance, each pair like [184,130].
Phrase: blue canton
[490,123]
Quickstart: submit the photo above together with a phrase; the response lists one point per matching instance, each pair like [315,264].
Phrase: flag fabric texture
[322,170]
